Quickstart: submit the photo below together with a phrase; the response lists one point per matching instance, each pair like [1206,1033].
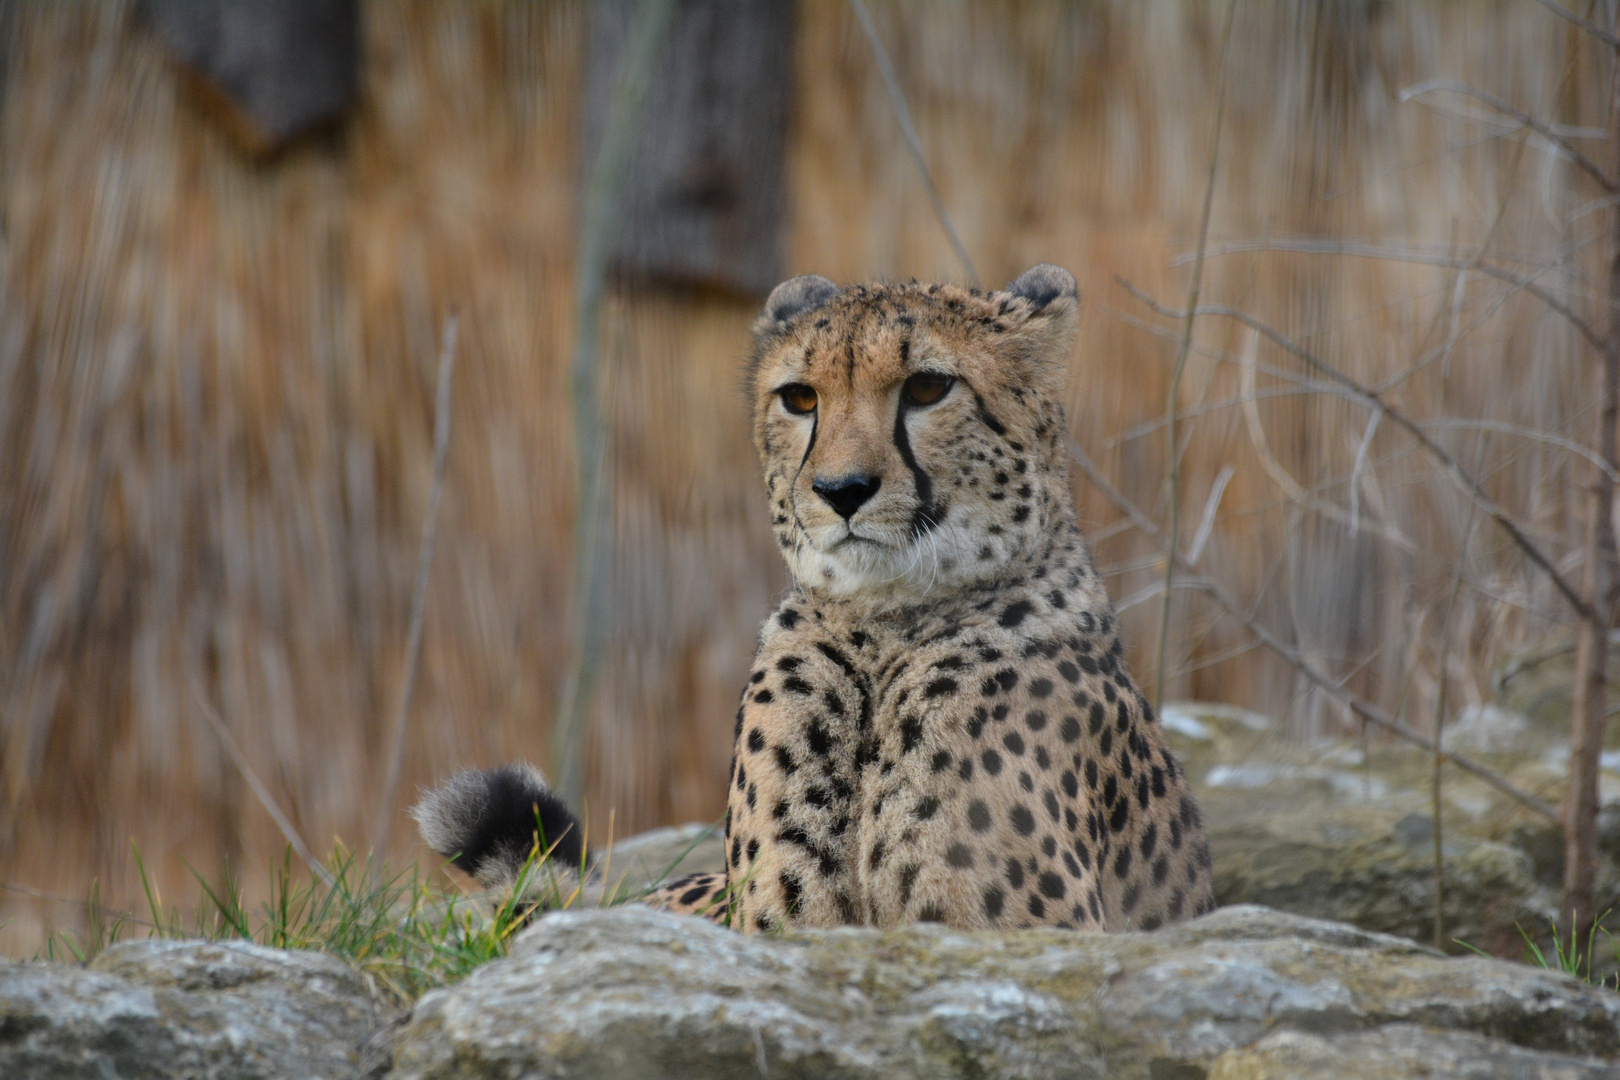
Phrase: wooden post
[703,202]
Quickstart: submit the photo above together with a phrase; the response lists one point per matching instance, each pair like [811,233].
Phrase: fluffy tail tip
[487,822]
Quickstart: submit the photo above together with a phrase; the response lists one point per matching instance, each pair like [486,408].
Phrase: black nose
[847,494]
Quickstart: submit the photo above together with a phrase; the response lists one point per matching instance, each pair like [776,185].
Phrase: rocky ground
[630,993]
[185,1009]
[1340,832]
[1347,830]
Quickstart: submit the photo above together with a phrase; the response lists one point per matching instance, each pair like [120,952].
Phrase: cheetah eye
[926,387]
[798,398]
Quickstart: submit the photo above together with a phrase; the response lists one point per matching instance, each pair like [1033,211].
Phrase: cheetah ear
[791,299]
[1049,290]
[1044,303]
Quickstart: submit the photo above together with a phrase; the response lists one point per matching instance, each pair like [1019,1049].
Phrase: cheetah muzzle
[938,725]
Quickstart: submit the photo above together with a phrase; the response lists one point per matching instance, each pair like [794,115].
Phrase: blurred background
[231,236]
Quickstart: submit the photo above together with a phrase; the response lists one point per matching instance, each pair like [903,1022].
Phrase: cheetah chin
[938,725]
[907,566]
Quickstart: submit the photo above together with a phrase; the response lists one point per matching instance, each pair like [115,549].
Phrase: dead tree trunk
[1589,707]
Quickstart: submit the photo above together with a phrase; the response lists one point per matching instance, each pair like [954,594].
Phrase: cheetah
[938,725]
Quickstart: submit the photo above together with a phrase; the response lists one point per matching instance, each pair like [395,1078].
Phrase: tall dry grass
[217,378]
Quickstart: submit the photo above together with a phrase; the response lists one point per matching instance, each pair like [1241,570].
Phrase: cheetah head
[912,435]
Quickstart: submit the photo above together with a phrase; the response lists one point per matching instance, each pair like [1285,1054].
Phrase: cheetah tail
[487,822]
[704,895]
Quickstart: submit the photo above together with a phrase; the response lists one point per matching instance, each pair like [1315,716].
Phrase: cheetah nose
[846,494]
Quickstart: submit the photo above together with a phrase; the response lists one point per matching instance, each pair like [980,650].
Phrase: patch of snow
[1184,724]
[1344,784]
[1216,710]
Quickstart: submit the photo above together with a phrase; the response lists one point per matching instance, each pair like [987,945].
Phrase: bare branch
[1173,395]
[1279,475]
[1439,728]
[1545,130]
[1355,471]
[1368,711]
[271,807]
[1302,384]
[601,215]
[1504,428]
[1219,658]
[1213,503]
[424,564]
[1591,28]
[1447,255]
[1148,427]
[1466,483]
[902,113]
[1374,251]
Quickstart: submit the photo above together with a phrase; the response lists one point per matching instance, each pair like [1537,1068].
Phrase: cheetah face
[911,435]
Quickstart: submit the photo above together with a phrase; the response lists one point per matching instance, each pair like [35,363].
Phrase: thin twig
[271,807]
[1173,395]
[1545,130]
[1212,503]
[89,904]
[1374,251]
[1520,666]
[424,564]
[1148,427]
[1439,741]
[1591,28]
[1370,397]
[1503,428]
[1279,475]
[1301,384]
[1361,707]
[598,232]
[1355,470]
[1390,382]
[903,114]
[1450,255]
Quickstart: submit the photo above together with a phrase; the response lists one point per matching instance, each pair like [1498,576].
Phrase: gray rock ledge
[1243,992]
[185,1009]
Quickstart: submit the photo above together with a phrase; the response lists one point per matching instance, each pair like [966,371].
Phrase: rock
[185,1009]
[641,861]
[1608,832]
[1399,1052]
[1345,830]
[1373,867]
[1205,734]
[631,992]
[1537,683]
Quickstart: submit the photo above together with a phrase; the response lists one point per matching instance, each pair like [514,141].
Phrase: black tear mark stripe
[989,421]
[815,426]
[927,516]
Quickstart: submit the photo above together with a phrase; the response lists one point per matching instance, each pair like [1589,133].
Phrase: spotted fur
[938,725]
